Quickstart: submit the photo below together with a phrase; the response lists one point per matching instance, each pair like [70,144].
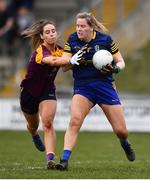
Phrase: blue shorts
[30,105]
[98,92]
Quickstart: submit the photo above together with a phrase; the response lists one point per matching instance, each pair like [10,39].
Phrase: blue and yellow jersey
[40,77]
[86,72]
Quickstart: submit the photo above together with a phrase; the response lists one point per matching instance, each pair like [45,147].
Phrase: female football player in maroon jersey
[38,88]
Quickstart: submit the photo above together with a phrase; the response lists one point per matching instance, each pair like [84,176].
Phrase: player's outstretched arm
[64,60]
[55,61]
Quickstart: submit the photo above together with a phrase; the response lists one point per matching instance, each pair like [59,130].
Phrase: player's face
[84,31]
[49,35]
[3,5]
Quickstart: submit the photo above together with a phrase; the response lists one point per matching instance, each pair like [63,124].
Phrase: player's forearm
[62,61]
[55,61]
[119,61]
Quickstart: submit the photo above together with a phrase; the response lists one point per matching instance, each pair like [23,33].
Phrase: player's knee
[47,125]
[121,132]
[75,122]
[32,128]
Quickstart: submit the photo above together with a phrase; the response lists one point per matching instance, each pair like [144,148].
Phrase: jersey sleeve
[40,54]
[112,46]
[67,48]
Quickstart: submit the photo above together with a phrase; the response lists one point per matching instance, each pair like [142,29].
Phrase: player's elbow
[121,64]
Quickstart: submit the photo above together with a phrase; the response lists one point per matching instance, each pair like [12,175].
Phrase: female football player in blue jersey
[38,89]
[92,86]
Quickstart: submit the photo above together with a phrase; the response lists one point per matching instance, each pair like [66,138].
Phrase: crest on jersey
[77,48]
[96,48]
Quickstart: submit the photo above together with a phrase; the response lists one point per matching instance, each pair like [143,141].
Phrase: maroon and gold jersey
[40,77]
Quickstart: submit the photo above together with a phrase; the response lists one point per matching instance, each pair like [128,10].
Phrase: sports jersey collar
[94,35]
[56,48]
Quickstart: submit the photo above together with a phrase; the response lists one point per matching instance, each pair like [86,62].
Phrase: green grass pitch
[97,155]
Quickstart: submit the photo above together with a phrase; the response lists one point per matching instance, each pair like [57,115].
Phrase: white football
[102,58]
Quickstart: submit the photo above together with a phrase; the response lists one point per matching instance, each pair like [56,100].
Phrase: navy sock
[66,155]
[50,156]
[35,137]
[124,142]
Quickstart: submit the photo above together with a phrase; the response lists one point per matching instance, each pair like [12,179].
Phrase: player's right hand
[76,58]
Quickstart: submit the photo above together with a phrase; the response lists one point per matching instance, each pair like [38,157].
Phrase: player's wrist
[69,61]
[116,69]
[72,60]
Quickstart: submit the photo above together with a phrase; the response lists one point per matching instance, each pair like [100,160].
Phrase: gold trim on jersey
[39,55]
[67,53]
[94,35]
[67,43]
[114,47]
[58,52]
[67,47]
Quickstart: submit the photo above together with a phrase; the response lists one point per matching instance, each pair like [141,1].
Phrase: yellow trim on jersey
[67,43]
[67,53]
[94,35]
[39,55]
[58,52]
[114,47]
[67,47]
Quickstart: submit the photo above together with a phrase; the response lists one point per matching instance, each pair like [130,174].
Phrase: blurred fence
[136,109]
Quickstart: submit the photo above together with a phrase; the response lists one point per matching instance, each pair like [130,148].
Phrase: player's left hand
[109,69]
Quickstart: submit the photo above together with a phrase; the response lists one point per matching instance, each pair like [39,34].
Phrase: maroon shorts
[30,104]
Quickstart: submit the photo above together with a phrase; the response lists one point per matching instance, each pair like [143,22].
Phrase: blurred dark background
[127,21]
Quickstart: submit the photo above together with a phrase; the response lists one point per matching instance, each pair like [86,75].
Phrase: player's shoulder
[59,50]
[39,48]
[42,51]
[73,37]
[103,37]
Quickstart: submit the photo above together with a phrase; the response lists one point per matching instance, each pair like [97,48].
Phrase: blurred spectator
[23,19]
[83,3]
[16,4]
[21,11]
[6,23]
